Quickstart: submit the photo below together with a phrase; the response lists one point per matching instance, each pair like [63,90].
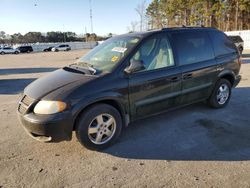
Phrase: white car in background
[8,50]
[62,47]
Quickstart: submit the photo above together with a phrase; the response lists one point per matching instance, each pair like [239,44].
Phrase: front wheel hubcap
[223,94]
[101,129]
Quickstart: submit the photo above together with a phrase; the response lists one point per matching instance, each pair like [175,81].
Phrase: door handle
[174,79]
[187,76]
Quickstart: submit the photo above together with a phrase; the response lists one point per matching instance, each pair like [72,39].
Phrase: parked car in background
[129,77]
[48,49]
[8,50]
[238,41]
[25,49]
[62,47]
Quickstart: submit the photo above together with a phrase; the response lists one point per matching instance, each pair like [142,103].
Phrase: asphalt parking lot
[195,146]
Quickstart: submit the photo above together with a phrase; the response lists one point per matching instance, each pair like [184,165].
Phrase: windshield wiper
[86,66]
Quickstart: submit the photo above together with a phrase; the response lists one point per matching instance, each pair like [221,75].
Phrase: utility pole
[64,38]
[90,14]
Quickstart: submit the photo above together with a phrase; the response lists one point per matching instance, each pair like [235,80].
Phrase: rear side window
[192,47]
[222,44]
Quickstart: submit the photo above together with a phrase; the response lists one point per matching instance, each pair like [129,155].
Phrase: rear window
[235,38]
[222,44]
[192,47]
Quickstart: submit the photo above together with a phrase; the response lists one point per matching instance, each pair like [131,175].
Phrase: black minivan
[129,77]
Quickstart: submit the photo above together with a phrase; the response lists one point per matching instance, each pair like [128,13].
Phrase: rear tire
[2,53]
[221,94]
[99,126]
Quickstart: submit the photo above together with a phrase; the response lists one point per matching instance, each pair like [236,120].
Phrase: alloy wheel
[223,94]
[101,129]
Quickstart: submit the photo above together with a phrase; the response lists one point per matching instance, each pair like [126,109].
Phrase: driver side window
[155,53]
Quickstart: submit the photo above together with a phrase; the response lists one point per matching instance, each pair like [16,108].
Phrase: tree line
[34,37]
[223,14]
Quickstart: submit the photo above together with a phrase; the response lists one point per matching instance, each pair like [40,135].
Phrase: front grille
[25,104]
[21,109]
[27,100]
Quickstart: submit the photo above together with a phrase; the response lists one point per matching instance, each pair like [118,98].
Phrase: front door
[158,86]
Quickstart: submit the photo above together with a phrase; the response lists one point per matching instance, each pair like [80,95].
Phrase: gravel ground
[195,146]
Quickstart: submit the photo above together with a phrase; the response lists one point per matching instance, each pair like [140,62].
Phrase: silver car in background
[8,50]
[62,47]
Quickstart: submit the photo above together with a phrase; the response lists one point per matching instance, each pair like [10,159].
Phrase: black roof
[147,33]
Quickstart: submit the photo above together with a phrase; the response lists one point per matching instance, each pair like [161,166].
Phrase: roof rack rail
[187,27]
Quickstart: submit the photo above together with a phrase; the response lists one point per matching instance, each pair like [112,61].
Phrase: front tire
[221,94]
[99,126]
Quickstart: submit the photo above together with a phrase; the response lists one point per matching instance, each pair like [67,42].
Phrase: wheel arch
[228,75]
[110,101]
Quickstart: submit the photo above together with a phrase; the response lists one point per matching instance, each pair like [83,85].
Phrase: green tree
[17,38]
[2,35]
[154,13]
[92,37]
[55,36]
[33,37]
[223,14]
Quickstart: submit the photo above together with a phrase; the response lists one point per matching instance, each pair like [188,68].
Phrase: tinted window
[155,53]
[235,38]
[222,44]
[192,47]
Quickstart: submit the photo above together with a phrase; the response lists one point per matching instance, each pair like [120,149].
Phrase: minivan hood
[54,81]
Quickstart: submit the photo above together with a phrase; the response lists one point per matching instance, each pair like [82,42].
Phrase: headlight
[49,107]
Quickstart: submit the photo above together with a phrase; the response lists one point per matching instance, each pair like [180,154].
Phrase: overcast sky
[109,16]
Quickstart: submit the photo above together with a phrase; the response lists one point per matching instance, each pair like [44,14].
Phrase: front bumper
[237,80]
[48,128]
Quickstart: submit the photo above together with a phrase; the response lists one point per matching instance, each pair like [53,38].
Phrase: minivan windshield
[107,55]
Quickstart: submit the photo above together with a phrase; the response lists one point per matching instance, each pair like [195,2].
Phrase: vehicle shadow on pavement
[14,86]
[196,132]
[27,70]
